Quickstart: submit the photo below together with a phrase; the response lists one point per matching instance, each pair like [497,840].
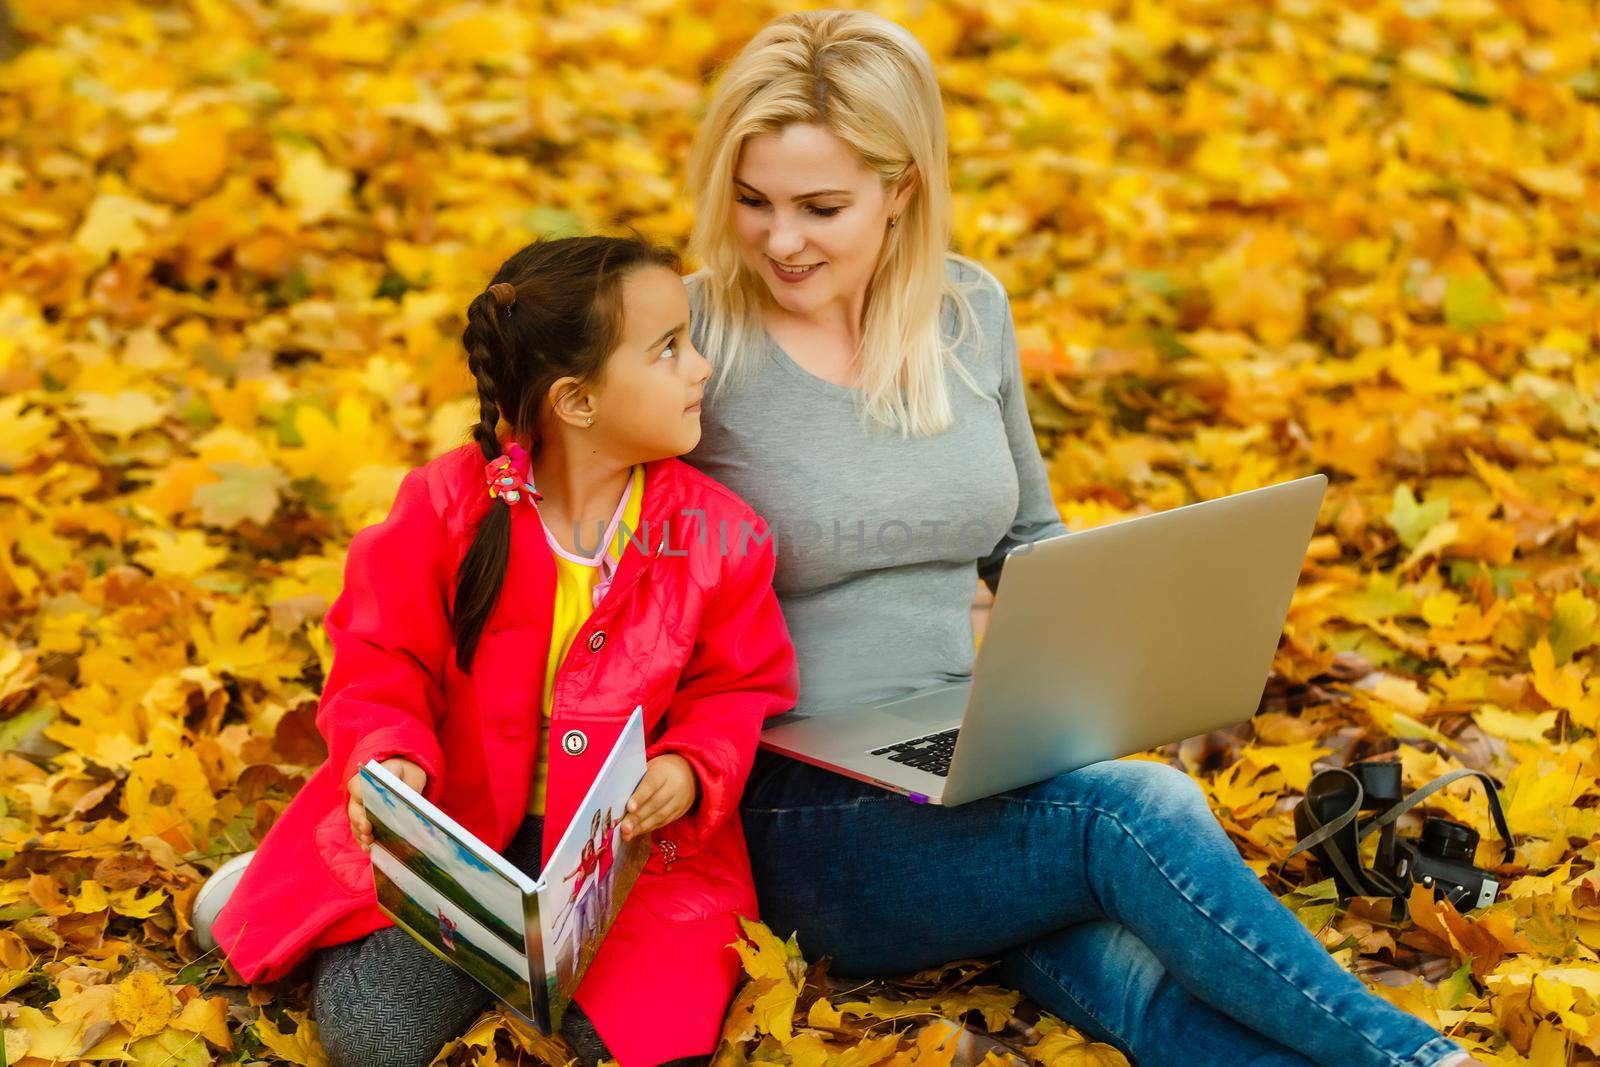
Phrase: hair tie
[504,293]
[507,476]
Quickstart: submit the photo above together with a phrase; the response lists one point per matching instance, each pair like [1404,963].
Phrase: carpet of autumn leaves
[1246,241]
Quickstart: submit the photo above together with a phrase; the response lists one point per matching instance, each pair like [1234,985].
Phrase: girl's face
[647,403]
[803,198]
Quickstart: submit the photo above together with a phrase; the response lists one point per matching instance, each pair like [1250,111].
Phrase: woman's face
[803,198]
[647,402]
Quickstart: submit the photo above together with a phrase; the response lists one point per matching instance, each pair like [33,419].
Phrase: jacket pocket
[682,894]
[671,845]
[335,845]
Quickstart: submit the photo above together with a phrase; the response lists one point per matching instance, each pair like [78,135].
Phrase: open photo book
[527,940]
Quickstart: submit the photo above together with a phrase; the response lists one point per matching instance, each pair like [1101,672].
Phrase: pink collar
[602,559]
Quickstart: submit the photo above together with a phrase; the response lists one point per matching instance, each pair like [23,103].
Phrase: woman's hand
[403,769]
[668,789]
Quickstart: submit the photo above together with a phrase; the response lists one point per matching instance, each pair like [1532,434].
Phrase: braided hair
[553,310]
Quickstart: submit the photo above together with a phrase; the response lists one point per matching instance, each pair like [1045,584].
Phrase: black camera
[1328,820]
[1441,859]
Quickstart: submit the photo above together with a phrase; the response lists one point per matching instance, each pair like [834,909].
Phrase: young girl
[488,652]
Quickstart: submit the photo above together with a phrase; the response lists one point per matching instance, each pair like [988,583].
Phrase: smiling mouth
[792,272]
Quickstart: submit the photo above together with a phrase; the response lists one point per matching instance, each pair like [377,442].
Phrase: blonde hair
[869,82]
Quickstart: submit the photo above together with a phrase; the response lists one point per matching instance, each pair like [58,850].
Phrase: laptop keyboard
[931,753]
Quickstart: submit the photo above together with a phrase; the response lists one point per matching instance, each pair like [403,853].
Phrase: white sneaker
[214,893]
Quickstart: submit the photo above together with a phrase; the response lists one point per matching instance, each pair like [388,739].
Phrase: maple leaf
[142,1005]
[120,414]
[207,1016]
[765,956]
[241,492]
[183,553]
[1572,625]
[170,1048]
[168,793]
[22,433]
[119,225]
[1411,520]
[1470,302]
[316,188]
[327,445]
[1059,1046]
[235,644]
[299,1045]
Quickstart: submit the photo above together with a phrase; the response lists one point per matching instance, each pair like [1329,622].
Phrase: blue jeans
[1111,895]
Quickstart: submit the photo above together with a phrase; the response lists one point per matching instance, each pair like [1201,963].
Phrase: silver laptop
[1100,643]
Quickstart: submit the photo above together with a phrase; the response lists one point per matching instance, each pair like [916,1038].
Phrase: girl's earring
[589,421]
[892,220]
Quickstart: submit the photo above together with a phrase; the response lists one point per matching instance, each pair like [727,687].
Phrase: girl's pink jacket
[690,628]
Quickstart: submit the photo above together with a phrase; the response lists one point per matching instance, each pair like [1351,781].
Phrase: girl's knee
[379,1005]
[380,1037]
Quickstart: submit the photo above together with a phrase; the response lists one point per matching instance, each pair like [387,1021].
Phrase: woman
[868,404]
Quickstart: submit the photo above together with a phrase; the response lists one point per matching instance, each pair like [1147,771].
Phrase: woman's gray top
[878,537]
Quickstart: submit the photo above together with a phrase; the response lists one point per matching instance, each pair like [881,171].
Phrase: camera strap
[1327,820]
[1417,796]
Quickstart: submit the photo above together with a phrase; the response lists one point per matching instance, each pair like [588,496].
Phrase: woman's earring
[892,220]
[589,421]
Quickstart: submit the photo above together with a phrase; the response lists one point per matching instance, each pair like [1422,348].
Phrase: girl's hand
[668,789]
[403,769]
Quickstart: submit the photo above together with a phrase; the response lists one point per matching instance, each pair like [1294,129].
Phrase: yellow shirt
[576,579]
